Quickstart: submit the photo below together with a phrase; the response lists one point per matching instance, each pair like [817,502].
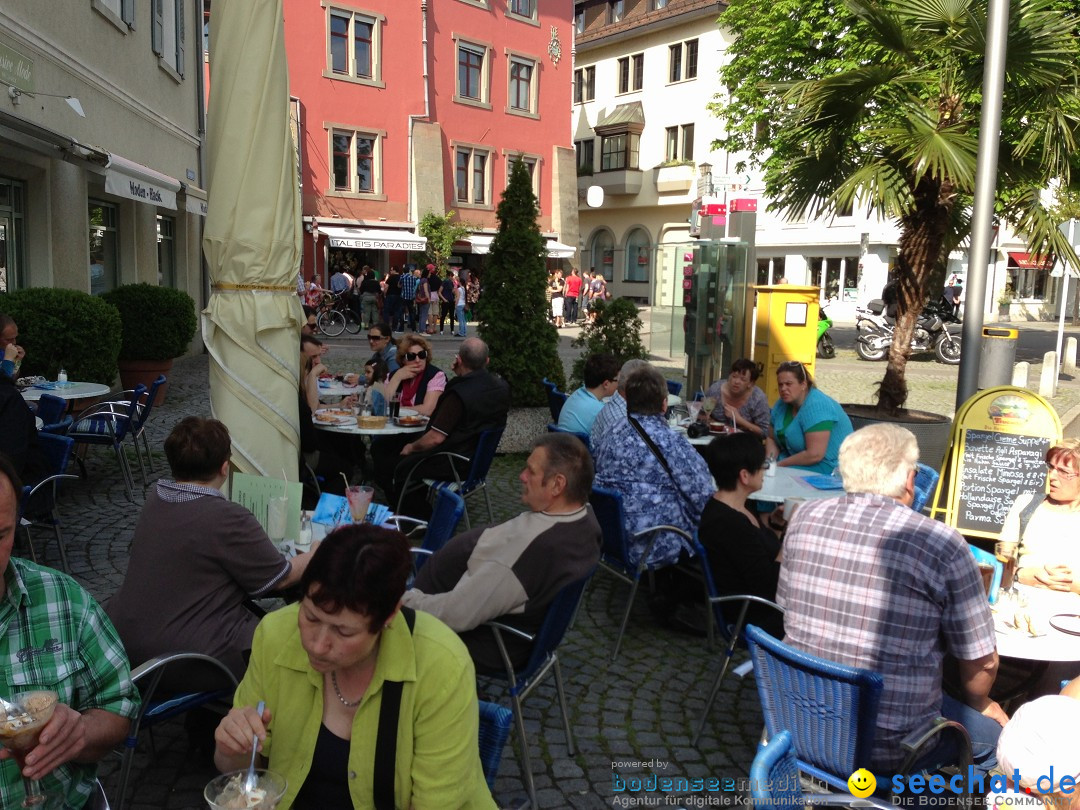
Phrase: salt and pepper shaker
[61,376]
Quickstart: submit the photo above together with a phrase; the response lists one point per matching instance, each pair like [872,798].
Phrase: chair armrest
[52,479]
[499,627]
[918,740]
[655,530]
[423,552]
[397,520]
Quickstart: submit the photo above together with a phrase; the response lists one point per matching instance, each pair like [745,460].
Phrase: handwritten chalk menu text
[994,470]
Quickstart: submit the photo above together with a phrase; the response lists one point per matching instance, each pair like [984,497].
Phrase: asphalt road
[1032,343]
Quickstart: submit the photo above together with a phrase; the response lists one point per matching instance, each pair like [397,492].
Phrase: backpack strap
[385,767]
[1027,512]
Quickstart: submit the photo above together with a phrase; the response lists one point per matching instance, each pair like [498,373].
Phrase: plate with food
[720,427]
[410,420]
[334,416]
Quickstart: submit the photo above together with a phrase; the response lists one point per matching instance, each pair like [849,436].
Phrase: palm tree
[899,133]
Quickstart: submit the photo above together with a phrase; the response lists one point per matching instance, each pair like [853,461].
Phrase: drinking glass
[694,409]
[19,733]
[277,518]
[1006,553]
[359,500]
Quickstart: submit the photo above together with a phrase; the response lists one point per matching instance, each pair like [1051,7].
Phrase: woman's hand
[235,731]
[406,372]
[1055,577]
[318,369]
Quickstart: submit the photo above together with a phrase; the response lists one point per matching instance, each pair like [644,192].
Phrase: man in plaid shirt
[868,582]
[409,280]
[53,635]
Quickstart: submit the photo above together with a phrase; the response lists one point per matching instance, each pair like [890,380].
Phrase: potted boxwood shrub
[158,325]
[66,329]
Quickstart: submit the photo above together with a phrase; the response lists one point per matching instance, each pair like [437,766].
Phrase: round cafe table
[1042,604]
[790,482]
[68,391]
[389,429]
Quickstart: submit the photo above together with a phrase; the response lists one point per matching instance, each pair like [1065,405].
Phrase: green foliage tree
[158,322]
[512,310]
[66,329]
[441,231]
[879,107]
[615,330]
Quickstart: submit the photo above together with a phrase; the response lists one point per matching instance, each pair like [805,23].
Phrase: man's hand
[62,740]
[14,353]
[995,712]
[407,449]
[1056,577]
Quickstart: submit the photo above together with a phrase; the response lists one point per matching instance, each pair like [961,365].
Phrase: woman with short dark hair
[739,400]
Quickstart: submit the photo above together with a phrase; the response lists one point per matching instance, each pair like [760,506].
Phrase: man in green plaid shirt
[53,635]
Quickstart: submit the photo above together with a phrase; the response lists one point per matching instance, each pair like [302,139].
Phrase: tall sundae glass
[21,724]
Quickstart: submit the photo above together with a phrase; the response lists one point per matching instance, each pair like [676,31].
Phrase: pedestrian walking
[459,308]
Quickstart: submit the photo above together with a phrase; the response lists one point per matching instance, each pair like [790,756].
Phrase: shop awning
[126,178]
[480,243]
[373,238]
[557,250]
[195,200]
[1027,261]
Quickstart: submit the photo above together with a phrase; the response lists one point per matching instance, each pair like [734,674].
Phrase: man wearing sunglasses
[475,400]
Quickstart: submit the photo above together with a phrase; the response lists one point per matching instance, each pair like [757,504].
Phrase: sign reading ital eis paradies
[997,452]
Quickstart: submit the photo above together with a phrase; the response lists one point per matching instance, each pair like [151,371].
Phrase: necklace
[348,704]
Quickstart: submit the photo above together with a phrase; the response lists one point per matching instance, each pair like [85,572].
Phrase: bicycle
[336,317]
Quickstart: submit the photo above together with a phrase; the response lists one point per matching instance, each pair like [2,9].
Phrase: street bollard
[1070,356]
[1048,375]
[1020,374]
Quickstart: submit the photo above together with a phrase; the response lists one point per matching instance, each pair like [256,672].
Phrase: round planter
[133,372]
[931,429]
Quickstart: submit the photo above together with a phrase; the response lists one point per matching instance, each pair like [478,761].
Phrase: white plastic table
[70,391]
[788,482]
[389,429]
[1042,604]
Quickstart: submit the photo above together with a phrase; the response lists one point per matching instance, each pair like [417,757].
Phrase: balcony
[674,179]
[615,183]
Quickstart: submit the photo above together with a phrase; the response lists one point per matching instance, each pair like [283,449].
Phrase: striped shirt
[867,582]
[53,635]
[409,282]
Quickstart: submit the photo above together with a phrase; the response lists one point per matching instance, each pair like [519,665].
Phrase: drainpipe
[200,90]
[412,214]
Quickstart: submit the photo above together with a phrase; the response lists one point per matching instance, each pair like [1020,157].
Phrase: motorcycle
[875,332]
[825,347]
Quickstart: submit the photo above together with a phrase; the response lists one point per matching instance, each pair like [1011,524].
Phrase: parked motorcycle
[825,347]
[875,332]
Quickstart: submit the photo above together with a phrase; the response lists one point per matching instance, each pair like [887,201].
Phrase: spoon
[251,781]
[13,711]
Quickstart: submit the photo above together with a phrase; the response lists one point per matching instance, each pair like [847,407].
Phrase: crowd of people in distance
[570,298]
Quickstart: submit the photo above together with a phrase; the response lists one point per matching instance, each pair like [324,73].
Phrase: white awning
[195,200]
[373,238]
[126,178]
[480,243]
[557,250]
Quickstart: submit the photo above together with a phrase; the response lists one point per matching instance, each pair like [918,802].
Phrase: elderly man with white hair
[868,582]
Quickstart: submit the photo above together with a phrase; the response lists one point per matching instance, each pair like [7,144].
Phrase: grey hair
[646,391]
[878,459]
[628,368]
[473,353]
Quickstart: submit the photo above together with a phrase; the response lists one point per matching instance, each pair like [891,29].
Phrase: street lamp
[705,181]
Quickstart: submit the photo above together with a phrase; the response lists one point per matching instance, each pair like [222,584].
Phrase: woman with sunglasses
[1047,527]
[381,340]
[808,426]
[419,383]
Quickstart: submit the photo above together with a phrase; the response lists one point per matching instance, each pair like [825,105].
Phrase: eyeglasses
[1068,475]
[420,355]
[376,337]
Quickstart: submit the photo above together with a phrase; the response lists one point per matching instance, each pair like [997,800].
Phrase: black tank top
[327,783]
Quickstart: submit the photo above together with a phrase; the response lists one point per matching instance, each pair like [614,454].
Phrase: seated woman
[808,427]
[322,452]
[1047,527]
[739,400]
[743,556]
[375,371]
[418,382]
[381,340]
[196,557]
[325,667]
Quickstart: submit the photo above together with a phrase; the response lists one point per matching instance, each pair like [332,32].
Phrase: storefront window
[166,251]
[12,267]
[104,255]
[603,253]
[637,255]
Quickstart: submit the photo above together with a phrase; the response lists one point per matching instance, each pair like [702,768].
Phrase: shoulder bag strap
[1027,512]
[382,783]
[663,463]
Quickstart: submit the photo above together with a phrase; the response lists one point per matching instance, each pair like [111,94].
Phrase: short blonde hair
[878,459]
[413,339]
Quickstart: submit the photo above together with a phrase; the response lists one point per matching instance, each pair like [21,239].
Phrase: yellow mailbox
[785,329]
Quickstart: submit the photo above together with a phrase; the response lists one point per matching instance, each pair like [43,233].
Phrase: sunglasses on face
[376,337]
[420,355]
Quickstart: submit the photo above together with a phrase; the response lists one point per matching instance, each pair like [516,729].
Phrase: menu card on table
[255,491]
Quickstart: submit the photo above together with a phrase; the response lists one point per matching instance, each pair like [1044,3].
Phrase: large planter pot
[133,372]
[931,429]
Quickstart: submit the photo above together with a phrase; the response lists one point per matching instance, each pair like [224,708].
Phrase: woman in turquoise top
[807,425]
[325,667]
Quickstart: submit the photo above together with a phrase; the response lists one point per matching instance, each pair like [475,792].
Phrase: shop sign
[16,70]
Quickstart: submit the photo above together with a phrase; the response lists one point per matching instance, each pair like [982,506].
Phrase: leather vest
[486,403]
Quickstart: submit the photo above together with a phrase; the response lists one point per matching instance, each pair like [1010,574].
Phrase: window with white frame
[473,65]
[682,61]
[585,156]
[353,45]
[616,10]
[619,151]
[631,73]
[167,27]
[522,8]
[472,172]
[522,92]
[679,143]
[584,84]
[355,162]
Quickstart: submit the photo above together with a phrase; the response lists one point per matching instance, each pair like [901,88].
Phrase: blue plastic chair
[987,558]
[51,409]
[674,387]
[108,423]
[37,505]
[445,516]
[585,439]
[926,478]
[774,775]
[58,428]
[495,724]
[138,427]
[543,659]
[556,400]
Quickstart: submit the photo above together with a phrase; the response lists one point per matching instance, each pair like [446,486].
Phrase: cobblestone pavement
[630,719]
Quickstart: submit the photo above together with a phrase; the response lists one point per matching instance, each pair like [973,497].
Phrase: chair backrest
[987,558]
[607,505]
[926,478]
[447,512]
[829,709]
[51,409]
[774,775]
[60,427]
[557,620]
[556,400]
[127,409]
[147,404]
[483,456]
[553,428]
[674,387]
[56,449]
[495,724]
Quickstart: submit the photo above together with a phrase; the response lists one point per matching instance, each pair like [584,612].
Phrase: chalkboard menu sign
[995,469]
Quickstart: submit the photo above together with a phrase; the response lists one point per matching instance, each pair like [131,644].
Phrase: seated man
[868,582]
[196,557]
[19,435]
[512,571]
[614,409]
[662,478]
[54,635]
[474,401]
[583,406]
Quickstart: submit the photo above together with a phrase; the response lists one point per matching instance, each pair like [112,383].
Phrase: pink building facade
[406,107]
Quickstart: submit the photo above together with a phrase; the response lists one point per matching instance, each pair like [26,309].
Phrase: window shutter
[157,26]
[127,13]
[180,20]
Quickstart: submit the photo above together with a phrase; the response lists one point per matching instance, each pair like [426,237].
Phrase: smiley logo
[861,783]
